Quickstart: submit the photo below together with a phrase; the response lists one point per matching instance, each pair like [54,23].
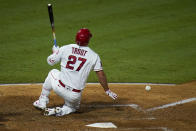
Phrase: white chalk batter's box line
[138,108]
[134,106]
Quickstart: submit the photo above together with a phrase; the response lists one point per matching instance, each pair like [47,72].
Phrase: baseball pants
[72,99]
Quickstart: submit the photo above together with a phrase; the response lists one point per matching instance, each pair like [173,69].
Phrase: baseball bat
[50,12]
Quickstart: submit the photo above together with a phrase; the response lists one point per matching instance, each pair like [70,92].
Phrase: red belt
[74,90]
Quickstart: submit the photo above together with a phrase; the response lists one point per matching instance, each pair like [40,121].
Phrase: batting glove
[55,49]
[111,94]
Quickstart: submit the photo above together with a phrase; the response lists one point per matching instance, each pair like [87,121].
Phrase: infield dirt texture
[145,41]
[17,112]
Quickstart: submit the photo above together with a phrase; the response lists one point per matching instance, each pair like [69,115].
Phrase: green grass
[137,40]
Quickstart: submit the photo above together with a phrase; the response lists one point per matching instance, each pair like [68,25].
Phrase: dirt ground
[18,113]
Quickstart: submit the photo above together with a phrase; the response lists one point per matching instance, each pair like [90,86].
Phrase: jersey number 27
[72,60]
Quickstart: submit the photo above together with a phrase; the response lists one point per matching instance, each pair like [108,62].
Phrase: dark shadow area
[2,120]
[97,105]
[86,107]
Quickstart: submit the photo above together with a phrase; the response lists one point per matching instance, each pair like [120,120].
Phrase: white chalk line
[16,84]
[138,108]
[134,106]
[144,118]
[172,104]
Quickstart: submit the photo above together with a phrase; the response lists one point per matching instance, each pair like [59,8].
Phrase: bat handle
[55,43]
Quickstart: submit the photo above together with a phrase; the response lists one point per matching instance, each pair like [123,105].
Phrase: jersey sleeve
[55,57]
[98,64]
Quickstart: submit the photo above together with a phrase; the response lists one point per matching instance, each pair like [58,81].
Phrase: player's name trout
[79,51]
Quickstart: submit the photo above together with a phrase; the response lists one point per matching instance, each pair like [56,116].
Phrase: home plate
[103,125]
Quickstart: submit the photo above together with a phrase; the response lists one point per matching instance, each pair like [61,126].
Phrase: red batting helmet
[83,36]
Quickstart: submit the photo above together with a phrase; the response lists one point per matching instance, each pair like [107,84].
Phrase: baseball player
[76,60]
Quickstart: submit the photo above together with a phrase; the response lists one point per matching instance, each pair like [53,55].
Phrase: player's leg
[47,87]
[67,109]
[61,111]
[72,103]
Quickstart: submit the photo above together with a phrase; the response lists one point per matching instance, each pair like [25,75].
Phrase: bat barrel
[50,12]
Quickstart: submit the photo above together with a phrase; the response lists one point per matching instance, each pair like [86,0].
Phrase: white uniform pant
[72,99]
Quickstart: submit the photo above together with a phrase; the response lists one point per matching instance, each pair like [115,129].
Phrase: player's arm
[103,81]
[55,56]
[102,78]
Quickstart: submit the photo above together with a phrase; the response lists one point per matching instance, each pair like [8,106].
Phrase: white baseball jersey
[76,64]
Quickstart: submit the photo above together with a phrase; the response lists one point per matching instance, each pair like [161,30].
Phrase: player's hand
[111,94]
[55,49]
